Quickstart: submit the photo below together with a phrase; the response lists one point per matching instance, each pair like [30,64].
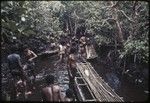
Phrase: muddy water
[44,67]
[122,86]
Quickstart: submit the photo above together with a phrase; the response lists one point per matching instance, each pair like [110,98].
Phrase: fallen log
[48,53]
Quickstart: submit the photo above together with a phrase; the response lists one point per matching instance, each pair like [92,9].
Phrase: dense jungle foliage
[120,28]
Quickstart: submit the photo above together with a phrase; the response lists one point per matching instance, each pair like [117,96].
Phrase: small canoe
[82,89]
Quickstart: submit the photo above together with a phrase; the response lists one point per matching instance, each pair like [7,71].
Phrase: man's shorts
[18,74]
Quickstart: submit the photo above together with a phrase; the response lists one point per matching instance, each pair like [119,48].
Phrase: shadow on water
[121,85]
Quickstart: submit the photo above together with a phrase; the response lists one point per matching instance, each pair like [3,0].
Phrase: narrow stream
[46,66]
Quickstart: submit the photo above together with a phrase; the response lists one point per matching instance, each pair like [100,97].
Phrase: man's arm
[60,95]
[20,64]
[34,56]
[69,71]
[43,95]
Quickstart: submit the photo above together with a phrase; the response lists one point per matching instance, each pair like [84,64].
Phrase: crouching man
[51,92]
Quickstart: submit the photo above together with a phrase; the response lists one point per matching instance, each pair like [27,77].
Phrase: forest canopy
[124,23]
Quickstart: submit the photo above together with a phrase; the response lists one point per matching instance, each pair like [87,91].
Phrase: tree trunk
[134,16]
[120,35]
[75,27]
[70,25]
[115,16]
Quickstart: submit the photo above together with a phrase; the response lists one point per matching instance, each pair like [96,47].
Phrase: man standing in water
[16,69]
[30,56]
[82,50]
[51,92]
[62,49]
[72,59]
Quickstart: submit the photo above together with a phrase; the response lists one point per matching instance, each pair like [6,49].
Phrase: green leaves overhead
[110,21]
[29,32]
[10,24]
[136,47]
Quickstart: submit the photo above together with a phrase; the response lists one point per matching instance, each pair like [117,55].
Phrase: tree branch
[112,5]
[107,20]
[134,6]
[126,15]
[76,14]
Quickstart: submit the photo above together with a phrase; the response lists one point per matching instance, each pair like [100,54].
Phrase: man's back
[51,93]
[13,61]
[62,49]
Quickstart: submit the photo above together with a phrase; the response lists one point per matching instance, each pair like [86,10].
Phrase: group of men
[67,49]
[51,92]
[72,49]
[17,69]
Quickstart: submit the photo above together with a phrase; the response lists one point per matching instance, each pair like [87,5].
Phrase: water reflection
[122,86]
[113,81]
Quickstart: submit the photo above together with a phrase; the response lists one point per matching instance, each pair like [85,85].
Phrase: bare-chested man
[51,92]
[62,49]
[72,65]
[82,50]
[83,40]
[30,56]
